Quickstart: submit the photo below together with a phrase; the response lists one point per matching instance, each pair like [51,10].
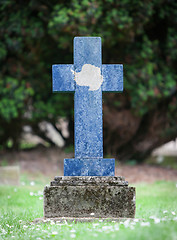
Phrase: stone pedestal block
[83,197]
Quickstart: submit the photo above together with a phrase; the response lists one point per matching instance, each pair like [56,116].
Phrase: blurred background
[37,126]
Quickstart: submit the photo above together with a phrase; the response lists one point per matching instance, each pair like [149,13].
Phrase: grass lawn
[156,205]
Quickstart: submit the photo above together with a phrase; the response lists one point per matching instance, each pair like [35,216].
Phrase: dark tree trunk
[127,136]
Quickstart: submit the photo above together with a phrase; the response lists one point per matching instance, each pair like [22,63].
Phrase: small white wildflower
[95,224]
[31,193]
[37,229]
[173,213]
[165,211]
[8,197]
[136,220]
[24,226]
[105,228]
[116,227]
[92,214]
[32,183]
[152,217]
[52,222]
[40,193]
[40,198]
[156,220]
[73,235]
[126,223]
[7,225]
[54,233]
[145,224]
[12,236]
[101,220]
[20,221]
[175,218]
[72,230]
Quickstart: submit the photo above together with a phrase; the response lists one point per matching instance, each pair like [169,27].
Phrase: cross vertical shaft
[88,104]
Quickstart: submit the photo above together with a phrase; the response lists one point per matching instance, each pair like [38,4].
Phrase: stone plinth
[84,197]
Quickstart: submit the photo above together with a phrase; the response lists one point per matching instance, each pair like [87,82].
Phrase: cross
[88,78]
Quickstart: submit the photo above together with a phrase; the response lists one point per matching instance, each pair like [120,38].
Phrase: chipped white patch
[89,76]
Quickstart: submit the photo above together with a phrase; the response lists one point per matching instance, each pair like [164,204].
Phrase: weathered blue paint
[63,78]
[88,159]
[87,104]
[112,77]
[89,167]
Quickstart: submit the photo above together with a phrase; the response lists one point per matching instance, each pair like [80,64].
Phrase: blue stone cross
[88,78]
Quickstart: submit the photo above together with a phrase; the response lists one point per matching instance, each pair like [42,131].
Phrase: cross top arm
[63,78]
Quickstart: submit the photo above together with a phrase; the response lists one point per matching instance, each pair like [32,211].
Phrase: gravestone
[89,187]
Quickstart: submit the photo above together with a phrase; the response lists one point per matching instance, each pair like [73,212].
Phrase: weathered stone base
[88,197]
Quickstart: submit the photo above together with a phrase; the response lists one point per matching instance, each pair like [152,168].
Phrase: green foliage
[34,35]
[14,94]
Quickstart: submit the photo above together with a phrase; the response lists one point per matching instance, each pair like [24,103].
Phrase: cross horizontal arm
[63,78]
[112,77]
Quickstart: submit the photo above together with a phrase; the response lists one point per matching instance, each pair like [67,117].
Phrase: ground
[156,210]
[49,161]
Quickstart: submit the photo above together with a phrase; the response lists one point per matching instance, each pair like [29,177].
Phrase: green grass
[20,205]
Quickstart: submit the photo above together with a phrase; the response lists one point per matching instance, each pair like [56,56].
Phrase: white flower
[31,193]
[92,214]
[72,230]
[73,235]
[54,233]
[165,211]
[126,223]
[136,220]
[145,224]
[40,193]
[95,224]
[32,183]
[173,213]
[116,227]
[156,220]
